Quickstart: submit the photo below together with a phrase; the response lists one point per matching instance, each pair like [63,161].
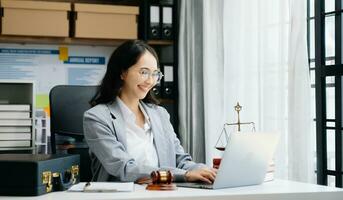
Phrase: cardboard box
[106,21]
[35,18]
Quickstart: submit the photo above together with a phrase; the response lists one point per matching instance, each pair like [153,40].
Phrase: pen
[86,185]
[87,189]
[100,190]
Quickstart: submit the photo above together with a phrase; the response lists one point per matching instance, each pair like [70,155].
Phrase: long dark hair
[122,58]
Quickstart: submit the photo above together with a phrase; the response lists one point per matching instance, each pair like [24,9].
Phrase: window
[326,71]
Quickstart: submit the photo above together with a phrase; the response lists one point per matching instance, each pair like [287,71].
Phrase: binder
[154,31]
[167,22]
[165,53]
[156,90]
[168,81]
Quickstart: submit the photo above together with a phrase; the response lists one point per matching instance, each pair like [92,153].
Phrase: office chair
[67,105]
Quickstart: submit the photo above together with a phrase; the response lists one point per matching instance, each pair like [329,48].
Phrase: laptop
[245,161]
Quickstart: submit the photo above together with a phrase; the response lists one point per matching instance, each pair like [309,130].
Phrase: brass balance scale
[228,128]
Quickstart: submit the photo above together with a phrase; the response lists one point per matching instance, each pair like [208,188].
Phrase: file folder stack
[167,22]
[165,89]
[15,125]
[157,90]
[159,20]
[168,81]
[270,172]
[154,22]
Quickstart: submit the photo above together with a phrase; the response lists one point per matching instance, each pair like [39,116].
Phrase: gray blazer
[104,130]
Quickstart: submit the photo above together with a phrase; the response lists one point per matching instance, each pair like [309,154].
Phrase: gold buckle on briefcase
[74,173]
[46,179]
[54,181]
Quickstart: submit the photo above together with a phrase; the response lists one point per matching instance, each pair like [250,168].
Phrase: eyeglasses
[156,75]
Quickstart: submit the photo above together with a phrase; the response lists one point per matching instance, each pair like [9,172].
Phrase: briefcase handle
[59,183]
[70,177]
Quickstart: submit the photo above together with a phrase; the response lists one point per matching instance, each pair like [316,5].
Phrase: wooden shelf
[160,42]
[60,40]
[72,41]
[166,101]
[112,2]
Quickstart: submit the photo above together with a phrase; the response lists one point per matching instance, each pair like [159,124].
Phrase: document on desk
[102,187]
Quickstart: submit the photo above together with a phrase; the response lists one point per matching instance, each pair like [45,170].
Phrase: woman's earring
[122,75]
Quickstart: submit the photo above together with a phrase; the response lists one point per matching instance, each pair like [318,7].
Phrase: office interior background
[280,59]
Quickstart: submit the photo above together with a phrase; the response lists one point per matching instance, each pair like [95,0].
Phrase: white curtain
[255,53]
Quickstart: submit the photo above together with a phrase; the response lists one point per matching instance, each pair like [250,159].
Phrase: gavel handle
[144,180]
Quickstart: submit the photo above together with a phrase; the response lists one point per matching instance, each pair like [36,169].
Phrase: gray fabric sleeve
[183,160]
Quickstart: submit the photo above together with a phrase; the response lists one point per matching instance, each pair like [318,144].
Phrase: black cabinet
[158,25]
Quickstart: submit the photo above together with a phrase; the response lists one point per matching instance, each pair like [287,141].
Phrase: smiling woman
[137,81]
[127,56]
[128,134]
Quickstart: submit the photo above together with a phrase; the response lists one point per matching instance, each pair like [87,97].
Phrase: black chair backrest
[67,106]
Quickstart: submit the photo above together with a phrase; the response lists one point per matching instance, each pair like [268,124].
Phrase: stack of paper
[270,172]
[102,187]
[15,125]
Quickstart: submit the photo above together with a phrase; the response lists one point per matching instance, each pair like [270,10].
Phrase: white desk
[278,189]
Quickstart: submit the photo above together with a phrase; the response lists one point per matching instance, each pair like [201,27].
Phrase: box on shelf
[35,18]
[106,21]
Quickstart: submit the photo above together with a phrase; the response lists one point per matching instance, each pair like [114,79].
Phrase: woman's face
[139,78]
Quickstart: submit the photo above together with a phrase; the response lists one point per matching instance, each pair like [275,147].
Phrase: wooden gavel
[161,177]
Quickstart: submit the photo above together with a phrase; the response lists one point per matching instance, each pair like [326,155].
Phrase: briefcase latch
[47,180]
[74,173]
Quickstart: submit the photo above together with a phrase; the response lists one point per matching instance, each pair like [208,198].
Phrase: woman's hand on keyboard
[203,174]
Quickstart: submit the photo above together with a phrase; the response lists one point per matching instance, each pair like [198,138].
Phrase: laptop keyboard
[195,185]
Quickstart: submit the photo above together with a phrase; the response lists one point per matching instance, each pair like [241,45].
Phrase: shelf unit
[19,92]
[167,51]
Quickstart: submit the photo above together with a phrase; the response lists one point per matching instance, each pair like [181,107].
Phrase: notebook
[245,161]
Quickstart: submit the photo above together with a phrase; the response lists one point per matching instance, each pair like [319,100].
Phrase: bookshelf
[17,118]
[152,26]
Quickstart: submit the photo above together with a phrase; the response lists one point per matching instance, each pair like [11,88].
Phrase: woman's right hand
[202,174]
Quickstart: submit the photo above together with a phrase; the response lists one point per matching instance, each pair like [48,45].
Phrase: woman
[129,136]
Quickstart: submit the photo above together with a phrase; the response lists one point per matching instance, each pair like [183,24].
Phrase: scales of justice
[228,128]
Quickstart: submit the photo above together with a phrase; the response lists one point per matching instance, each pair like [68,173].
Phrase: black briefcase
[36,174]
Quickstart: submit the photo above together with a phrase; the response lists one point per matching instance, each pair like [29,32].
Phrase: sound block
[161,187]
